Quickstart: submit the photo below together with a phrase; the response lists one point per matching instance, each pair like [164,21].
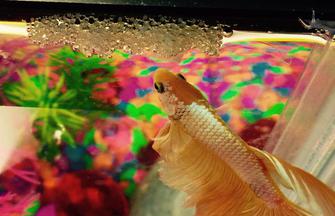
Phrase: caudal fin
[212,186]
[314,195]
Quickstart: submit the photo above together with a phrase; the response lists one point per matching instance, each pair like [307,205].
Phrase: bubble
[162,37]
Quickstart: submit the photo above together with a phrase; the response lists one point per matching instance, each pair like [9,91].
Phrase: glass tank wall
[78,112]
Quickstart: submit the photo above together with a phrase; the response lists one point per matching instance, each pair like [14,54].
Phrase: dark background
[279,16]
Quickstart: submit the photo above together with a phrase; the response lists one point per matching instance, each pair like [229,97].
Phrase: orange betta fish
[220,173]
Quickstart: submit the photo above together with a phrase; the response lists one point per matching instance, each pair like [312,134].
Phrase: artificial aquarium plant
[62,92]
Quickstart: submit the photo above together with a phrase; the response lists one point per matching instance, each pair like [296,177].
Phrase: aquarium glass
[78,113]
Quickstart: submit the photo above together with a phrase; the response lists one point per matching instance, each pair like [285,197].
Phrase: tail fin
[212,186]
[316,197]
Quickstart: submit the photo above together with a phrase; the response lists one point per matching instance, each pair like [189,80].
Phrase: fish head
[175,92]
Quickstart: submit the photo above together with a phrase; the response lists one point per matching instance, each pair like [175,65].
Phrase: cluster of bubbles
[162,37]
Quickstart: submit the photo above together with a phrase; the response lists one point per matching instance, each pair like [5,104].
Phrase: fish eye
[181,76]
[159,87]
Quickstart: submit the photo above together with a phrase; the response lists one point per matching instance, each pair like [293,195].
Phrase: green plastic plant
[64,104]
[82,74]
[34,91]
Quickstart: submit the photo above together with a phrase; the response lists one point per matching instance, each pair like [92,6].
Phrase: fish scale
[218,138]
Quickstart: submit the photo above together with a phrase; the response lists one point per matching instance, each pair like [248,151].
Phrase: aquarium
[79,112]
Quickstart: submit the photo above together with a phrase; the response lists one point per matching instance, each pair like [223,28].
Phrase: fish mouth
[159,87]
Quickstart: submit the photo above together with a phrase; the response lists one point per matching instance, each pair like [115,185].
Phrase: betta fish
[220,173]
